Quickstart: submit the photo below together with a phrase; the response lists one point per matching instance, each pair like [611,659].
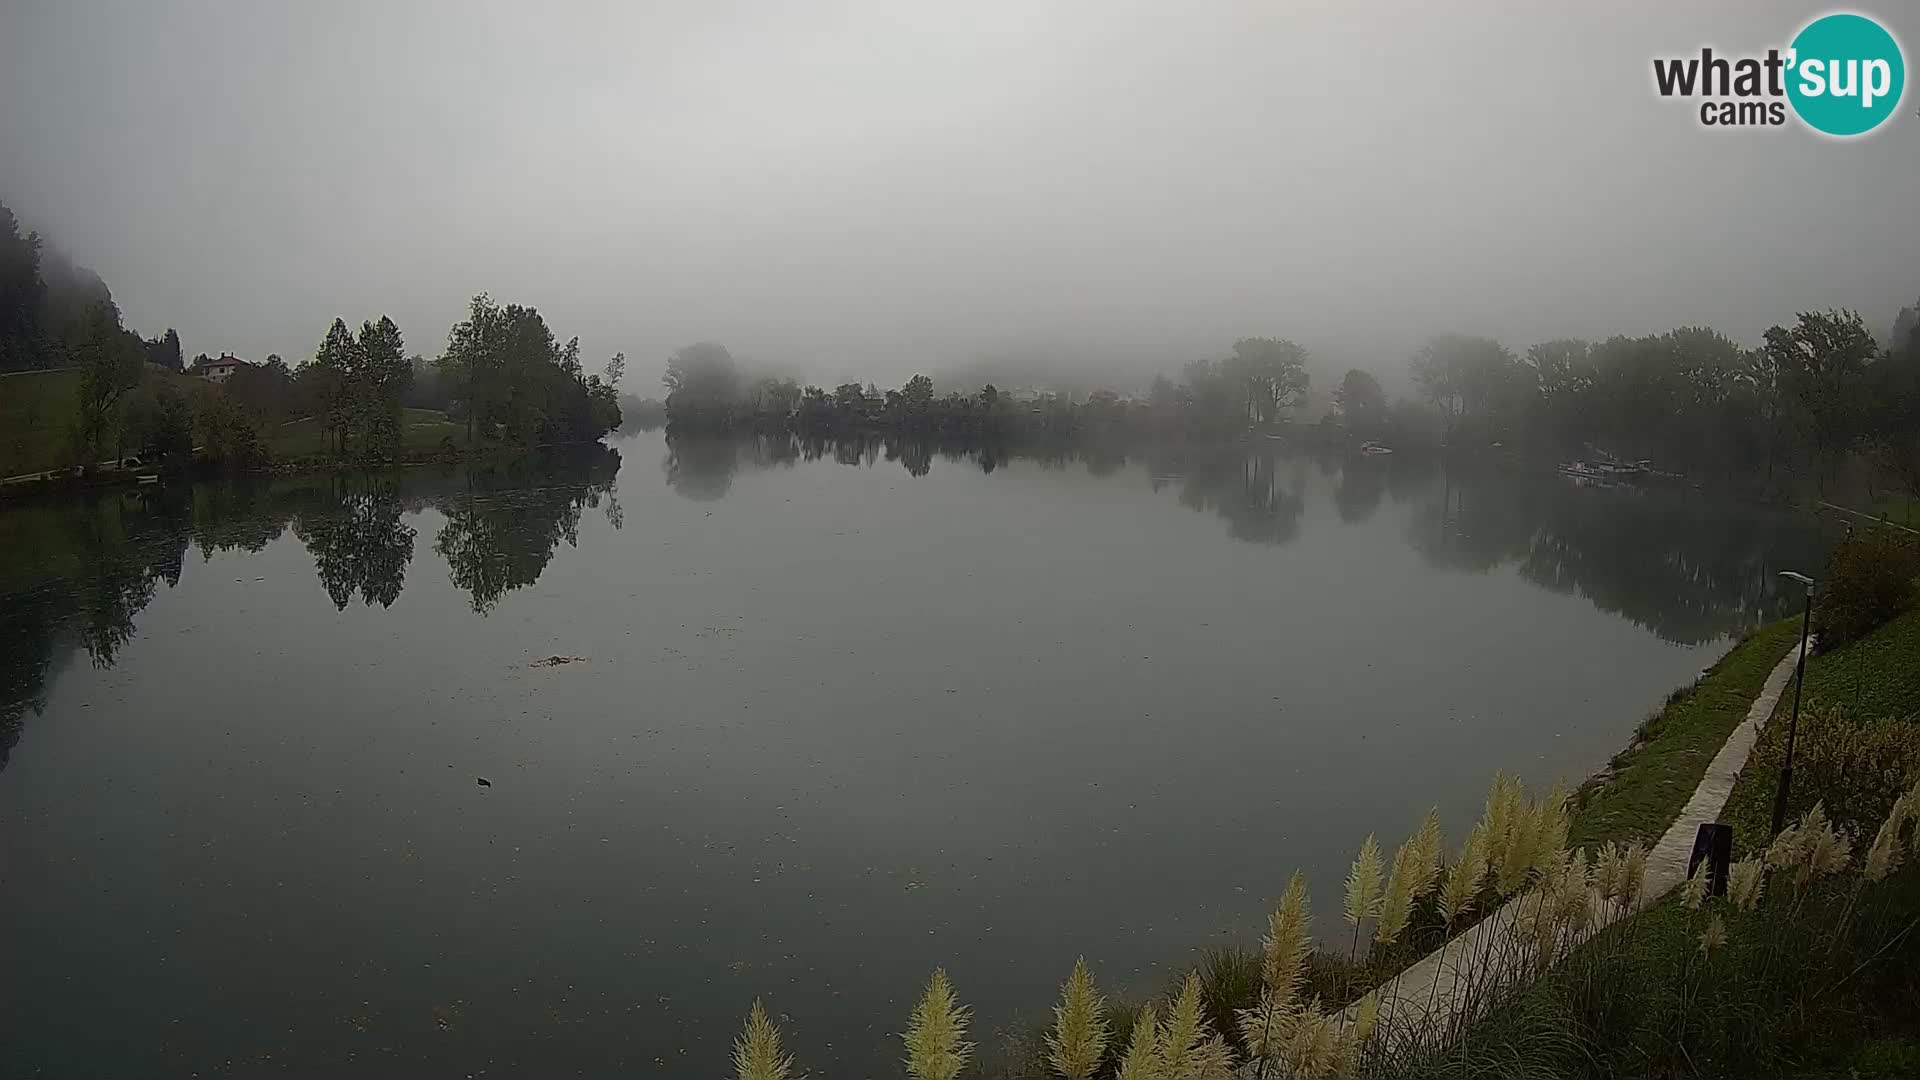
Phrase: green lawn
[1825,1007]
[1899,509]
[35,409]
[1872,680]
[1644,787]
[423,431]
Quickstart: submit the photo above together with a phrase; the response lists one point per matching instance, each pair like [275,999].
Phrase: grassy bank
[423,433]
[1818,980]
[1806,967]
[1632,801]
[1859,733]
[35,409]
[1643,788]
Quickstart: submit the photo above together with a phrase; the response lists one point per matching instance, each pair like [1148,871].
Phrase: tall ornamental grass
[1561,970]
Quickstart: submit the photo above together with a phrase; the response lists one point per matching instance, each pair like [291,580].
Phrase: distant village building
[217,371]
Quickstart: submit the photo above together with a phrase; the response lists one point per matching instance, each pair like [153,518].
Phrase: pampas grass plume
[1185,1031]
[1142,1060]
[756,1051]
[1607,868]
[1396,904]
[1363,883]
[1366,1016]
[1501,810]
[1080,1032]
[1694,891]
[1284,959]
[1633,874]
[936,1033]
[1426,845]
[1883,857]
[1746,880]
[1714,936]
[1465,876]
[1551,825]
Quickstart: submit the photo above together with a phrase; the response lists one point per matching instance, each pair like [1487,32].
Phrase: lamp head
[1801,578]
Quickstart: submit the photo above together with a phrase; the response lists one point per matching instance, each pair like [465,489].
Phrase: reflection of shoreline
[81,569]
[1689,570]
[502,528]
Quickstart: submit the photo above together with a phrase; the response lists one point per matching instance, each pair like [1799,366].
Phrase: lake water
[839,713]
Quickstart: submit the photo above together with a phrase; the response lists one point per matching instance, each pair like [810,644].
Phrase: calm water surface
[838,714]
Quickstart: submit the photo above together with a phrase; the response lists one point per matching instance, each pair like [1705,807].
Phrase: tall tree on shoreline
[1362,402]
[332,382]
[1823,362]
[702,380]
[21,293]
[1465,376]
[109,369]
[381,373]
[1272,373]
[471,364]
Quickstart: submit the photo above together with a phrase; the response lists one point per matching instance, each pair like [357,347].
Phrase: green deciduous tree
[1822,360]
[475,353]
[330,384]
[110,368]
[268,389]
[228,433]
[513,377]
[1473,378]
[380,374]
[916,397]
[1894,415]
[159,424]
[1271,375]
[1362,402]
[355,384]
[702,381]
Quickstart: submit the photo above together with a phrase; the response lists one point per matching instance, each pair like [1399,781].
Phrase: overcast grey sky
[869,189]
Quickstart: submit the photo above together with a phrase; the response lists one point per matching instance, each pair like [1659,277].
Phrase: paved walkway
[1446,988]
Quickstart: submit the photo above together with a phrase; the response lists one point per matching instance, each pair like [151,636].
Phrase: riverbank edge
[1634,799]
[488,455]
[22,487]
[1639,793]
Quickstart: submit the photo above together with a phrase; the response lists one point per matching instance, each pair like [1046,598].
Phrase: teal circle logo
[1846,75]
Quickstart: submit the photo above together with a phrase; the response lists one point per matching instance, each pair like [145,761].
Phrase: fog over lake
[768,716]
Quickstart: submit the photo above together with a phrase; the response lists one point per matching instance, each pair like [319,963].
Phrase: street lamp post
[1793,725]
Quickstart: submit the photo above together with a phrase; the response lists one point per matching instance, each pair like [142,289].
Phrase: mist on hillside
[1074,194]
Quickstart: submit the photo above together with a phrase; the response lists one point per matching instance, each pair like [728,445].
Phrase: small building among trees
[219,370]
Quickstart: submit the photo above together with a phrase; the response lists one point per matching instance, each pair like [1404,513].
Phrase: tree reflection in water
[358,542]
[77,573]
[81,568]
[503,527]
[1686,568]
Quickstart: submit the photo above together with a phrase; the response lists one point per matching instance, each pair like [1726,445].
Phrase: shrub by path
[1440,991]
